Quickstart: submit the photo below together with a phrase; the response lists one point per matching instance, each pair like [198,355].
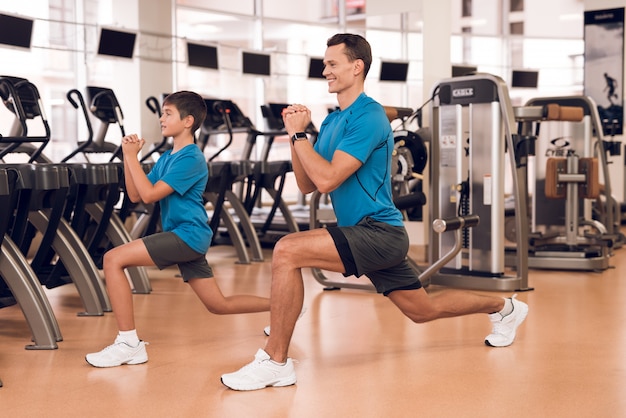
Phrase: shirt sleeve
[364,132]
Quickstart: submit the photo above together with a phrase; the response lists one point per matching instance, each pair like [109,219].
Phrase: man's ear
[359,66]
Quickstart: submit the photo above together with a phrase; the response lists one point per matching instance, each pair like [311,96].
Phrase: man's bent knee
[417,309]
[289,248]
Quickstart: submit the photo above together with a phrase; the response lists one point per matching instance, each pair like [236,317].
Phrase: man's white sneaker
[262,372]
[119,353]
[266,330]
[505,328]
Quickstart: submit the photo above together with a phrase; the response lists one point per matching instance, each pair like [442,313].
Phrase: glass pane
[207,26]
[243,7]
[303,11]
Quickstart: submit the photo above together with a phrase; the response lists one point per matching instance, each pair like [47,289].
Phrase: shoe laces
[116,343]
[120,342]
[256,363]
[253,364]
[499,328]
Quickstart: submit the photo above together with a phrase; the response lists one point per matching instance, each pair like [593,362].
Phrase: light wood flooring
[357,356]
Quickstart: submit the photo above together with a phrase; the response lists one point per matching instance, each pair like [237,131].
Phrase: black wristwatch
[299,136]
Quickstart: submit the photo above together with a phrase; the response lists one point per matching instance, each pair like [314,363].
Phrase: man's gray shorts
[377,250]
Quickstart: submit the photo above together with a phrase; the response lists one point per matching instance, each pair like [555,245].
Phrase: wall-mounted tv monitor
[524,78]
[461,70]
[15,31]
[393,71]
[258,64]
[116,43]
[202,55]
[316,67]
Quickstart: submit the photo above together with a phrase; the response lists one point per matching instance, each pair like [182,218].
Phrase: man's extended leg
[421,307]
[505,315]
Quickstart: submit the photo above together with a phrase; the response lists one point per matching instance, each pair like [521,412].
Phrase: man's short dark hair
[188,103]
[356,47]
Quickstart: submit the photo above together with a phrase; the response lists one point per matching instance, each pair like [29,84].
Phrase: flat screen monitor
[258,64]
[116,43]
[103,104]
[15,31]
[393,71]
[273,114]
[215,119]
[524,78]
[202,55]
[316,67]
[461,70]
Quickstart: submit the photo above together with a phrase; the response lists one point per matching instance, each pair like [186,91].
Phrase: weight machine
[473,129]
[566,236]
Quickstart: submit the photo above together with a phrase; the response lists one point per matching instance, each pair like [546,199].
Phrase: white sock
[129,337]
[508,307]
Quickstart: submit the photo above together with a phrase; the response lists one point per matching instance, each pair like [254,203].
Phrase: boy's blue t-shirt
[183,212]
[363,131]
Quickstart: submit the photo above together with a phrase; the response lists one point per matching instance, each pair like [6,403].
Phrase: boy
[177,182]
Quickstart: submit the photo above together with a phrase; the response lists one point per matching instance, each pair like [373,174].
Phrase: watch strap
[299,136]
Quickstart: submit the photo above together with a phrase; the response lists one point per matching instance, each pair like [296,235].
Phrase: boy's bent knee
[108,259]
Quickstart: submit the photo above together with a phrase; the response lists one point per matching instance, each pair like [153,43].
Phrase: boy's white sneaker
[119,353]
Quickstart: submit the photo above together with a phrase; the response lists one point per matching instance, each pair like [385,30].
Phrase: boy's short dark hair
[188,103]
[356,47]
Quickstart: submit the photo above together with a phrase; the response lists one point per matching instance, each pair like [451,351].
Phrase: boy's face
[171,123]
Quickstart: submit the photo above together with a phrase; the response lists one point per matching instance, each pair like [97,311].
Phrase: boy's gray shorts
[167,249]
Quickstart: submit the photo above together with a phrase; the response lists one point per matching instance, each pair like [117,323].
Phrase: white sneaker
[266,330]
[262,372]
[119,353]
[505,328]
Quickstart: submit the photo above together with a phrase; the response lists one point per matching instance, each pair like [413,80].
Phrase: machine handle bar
[457,222]
[553,111]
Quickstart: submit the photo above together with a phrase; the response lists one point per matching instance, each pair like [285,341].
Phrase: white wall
[155,77]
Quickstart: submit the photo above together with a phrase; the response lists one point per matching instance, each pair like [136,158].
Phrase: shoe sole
[281,383]
[130,363]
[520,320]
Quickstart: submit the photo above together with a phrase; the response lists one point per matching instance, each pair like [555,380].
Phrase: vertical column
[437,30]
[156,73]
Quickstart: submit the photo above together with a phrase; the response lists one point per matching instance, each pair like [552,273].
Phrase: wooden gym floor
[357,356]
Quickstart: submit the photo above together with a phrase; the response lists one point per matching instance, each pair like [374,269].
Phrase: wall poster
[604,66]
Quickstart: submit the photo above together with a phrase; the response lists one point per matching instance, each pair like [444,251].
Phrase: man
[351,161]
